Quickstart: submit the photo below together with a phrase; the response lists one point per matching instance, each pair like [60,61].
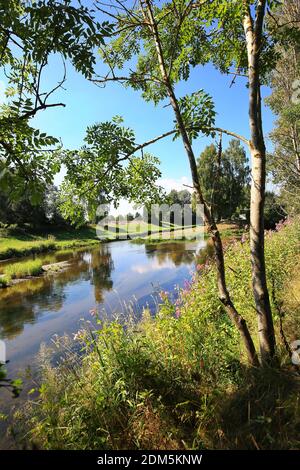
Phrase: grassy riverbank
[17,243]
[180,234]
[180,380]
[22,270]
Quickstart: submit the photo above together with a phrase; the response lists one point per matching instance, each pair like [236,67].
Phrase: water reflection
[178,253]
[102,266]
[26,301]
[106,277]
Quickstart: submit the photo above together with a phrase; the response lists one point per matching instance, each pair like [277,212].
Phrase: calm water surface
[115,278]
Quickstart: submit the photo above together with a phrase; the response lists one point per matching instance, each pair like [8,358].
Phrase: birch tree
[163,43]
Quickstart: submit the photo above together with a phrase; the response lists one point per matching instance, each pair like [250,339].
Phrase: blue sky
[86,104]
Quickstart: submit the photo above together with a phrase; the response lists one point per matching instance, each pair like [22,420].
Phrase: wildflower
[79,335]
[200,266]
[93,312]
[177,312]
[280,225]
[243,238]
[163,295]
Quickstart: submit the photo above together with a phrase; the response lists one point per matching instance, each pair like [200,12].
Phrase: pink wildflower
[200,266]
[177,312]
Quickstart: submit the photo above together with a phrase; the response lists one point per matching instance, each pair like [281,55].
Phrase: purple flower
[200,266]
[243,238]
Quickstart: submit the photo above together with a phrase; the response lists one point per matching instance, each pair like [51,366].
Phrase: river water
[118,279]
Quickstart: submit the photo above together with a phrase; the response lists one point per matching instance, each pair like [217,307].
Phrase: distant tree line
[23,211]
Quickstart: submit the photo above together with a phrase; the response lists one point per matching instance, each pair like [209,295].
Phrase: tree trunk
[224,296]
[258,156]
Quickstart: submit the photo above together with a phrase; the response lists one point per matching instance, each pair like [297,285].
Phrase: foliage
[178,377]
[284,161]
[198,114]
[225,178]
[273,211]
[106,170]
[191,34]
[30,32]
[179,197]
[182,32]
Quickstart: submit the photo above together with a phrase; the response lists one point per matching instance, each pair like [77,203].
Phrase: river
[118,279]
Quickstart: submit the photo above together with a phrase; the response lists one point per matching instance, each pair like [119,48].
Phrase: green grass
[23,269]
[179,380]
[4,281]
[188,234]
[18,244]
[132,229]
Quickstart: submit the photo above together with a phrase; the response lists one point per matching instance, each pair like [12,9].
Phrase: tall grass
[176,381]
[15,248]
[24,269]
[4,281]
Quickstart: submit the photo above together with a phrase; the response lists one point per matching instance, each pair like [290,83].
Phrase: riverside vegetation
[180,379]
[15,242]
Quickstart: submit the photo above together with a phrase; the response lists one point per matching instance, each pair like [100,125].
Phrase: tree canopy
[105,170]
[284,101]
[30,32]
[225,178]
